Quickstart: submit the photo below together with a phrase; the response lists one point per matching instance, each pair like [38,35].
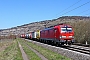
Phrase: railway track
[74,52]
[79,44]
[76,47]
[81,49]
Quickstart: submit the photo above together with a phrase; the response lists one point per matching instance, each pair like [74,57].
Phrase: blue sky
[18,12]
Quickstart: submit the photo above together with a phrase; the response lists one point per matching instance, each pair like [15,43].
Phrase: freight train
[59,34]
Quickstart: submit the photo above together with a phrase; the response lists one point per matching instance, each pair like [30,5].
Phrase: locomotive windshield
[66,29]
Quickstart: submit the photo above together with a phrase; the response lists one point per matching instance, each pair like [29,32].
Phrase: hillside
[80,24]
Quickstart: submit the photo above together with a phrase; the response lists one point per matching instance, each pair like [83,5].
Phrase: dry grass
[11,52]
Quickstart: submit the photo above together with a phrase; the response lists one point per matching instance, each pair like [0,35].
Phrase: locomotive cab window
[66,29]
[69,29]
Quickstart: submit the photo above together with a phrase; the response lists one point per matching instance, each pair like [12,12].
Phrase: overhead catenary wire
[83,11]
[69,6]
[75,8]
[87,14]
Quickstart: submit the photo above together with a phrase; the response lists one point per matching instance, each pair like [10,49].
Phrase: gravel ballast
[68,53]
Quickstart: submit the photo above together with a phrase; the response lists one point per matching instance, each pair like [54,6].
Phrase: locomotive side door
[55,30]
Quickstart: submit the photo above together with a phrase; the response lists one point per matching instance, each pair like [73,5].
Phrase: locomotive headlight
[71,36]
[60,37]
[63,36]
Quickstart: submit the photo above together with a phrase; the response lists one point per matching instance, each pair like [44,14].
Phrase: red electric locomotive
[59,34]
